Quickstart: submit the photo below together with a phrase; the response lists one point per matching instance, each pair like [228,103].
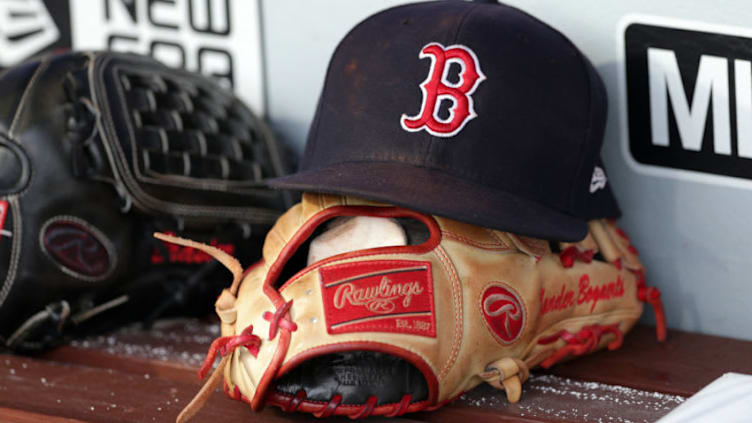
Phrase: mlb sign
[689,96]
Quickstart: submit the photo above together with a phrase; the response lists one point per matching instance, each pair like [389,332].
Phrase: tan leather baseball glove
[362,309]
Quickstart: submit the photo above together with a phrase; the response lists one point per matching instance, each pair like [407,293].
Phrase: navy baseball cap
[475,111]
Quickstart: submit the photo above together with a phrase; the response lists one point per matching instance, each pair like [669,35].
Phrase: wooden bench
[143,376]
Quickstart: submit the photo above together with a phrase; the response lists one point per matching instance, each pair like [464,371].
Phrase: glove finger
[614,244]
[587,244]
[531,246]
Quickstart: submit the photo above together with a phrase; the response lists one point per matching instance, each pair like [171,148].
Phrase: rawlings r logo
[503,313]
[77,248]
[437,88]
[509,308]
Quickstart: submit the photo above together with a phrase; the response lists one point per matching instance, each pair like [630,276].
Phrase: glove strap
[223,346]
[197,403]
[652,296]
[507,374]
[43,328]
[583,342]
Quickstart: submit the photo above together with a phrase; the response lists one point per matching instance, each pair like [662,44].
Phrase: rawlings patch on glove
[409,327]
[98,151]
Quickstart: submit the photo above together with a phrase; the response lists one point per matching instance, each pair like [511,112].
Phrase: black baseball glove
[98,151]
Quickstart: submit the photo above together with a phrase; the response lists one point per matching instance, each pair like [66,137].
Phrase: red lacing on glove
[247,339]
[223,346]
[401,407]
[294,403]
[367,408]
[617,263]
[583,342]
[335,402]
[329,408]
[227,344]
[570,254]
[277,319]
[652,296]
[235,393]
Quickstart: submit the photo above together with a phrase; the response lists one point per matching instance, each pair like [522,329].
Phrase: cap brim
[435,192]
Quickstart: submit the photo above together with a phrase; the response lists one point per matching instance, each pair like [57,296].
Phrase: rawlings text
[379,298]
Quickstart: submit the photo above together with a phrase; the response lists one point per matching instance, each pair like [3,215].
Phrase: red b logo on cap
[436,88]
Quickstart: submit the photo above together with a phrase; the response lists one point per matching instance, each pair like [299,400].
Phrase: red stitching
[584,341]
[246,339]
[405,405]
[571,254]
[295,401]
[367,408]
[482,245]
[617,263]
[329,408]
[400,408]
[652,296]
[457,302]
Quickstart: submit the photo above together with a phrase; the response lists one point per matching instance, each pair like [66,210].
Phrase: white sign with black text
[221,38]
[26,27]
[688,87]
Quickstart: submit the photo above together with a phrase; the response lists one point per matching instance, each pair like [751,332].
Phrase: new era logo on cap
[437,87]
[598,180]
